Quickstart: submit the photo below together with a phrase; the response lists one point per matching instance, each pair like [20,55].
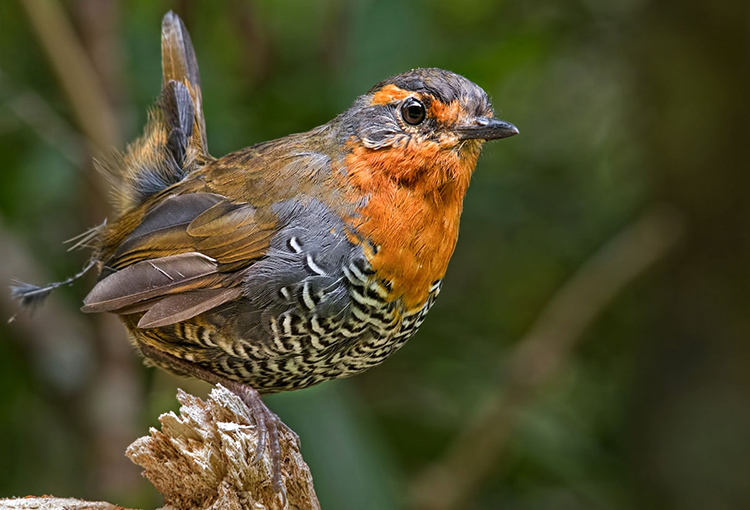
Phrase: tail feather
[173,144]
[179,63]
[179,113]
[174,140]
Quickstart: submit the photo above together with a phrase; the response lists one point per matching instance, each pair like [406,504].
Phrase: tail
[173,145]
[174,140]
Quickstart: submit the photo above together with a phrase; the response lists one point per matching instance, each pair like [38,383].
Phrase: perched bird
[294,261]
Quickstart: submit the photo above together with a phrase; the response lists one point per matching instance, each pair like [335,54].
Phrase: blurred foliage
[643,416]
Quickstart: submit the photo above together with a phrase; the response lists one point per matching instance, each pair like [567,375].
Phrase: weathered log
[202,459]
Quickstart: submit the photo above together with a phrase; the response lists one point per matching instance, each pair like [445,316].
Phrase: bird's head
[423,124]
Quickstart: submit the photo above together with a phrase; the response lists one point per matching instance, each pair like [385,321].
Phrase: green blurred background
[590,347]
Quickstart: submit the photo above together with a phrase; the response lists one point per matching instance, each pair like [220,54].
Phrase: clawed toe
[268,434]
[268,424]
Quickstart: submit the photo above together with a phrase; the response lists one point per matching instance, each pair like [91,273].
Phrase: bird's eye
[412,111]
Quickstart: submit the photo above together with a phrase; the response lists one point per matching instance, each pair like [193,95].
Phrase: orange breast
[415,195]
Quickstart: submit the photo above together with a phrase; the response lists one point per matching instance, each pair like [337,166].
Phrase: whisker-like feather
[83,240]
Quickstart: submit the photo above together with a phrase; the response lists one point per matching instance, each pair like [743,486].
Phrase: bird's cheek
[382,139]
[448,140]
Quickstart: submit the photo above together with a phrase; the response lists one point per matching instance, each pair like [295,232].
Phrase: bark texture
[202,459]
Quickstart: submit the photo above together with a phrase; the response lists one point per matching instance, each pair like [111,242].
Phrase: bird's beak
[486,128]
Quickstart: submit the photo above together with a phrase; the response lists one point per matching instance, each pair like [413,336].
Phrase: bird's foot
[267,423]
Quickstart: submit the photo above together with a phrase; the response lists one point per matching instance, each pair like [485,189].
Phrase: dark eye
[412,111]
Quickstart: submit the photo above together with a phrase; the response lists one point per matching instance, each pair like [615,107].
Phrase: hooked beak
[487,128]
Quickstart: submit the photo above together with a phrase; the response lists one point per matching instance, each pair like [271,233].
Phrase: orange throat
[414,196]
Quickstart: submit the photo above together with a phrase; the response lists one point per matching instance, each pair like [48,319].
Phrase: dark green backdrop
[621,210]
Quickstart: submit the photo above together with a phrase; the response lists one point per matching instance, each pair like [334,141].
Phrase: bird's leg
[266,420]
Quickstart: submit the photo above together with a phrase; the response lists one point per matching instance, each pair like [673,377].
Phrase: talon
[282,493]
[260,415]
[262,432]
[267,422]
[275,444]
[268,433]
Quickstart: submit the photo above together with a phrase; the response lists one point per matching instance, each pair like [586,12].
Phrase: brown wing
[233,234]
[184,258]
[190,225]
[189,252]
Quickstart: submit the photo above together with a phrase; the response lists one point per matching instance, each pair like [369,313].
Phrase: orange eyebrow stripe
[446,114]
[389,94]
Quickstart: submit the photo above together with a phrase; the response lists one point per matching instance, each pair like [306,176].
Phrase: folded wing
[188,255]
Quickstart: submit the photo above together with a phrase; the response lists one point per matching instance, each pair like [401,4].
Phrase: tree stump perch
[202,459]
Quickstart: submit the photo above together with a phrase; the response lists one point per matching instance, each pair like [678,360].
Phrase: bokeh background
[591,346]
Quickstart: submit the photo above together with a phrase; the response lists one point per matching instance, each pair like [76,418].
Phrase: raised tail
[173,144]
[179,64]
[174,140]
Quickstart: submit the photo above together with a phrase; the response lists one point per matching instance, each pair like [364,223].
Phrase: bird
[290,262]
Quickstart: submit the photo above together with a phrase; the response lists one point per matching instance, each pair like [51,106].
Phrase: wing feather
[184,258]
[192,250]
[151,278]
[181,307]
[233,234]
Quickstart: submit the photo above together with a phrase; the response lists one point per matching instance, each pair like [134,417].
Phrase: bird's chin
[469,148]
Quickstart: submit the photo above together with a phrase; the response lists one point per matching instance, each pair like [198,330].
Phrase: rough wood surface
[202,458]
[51,503]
